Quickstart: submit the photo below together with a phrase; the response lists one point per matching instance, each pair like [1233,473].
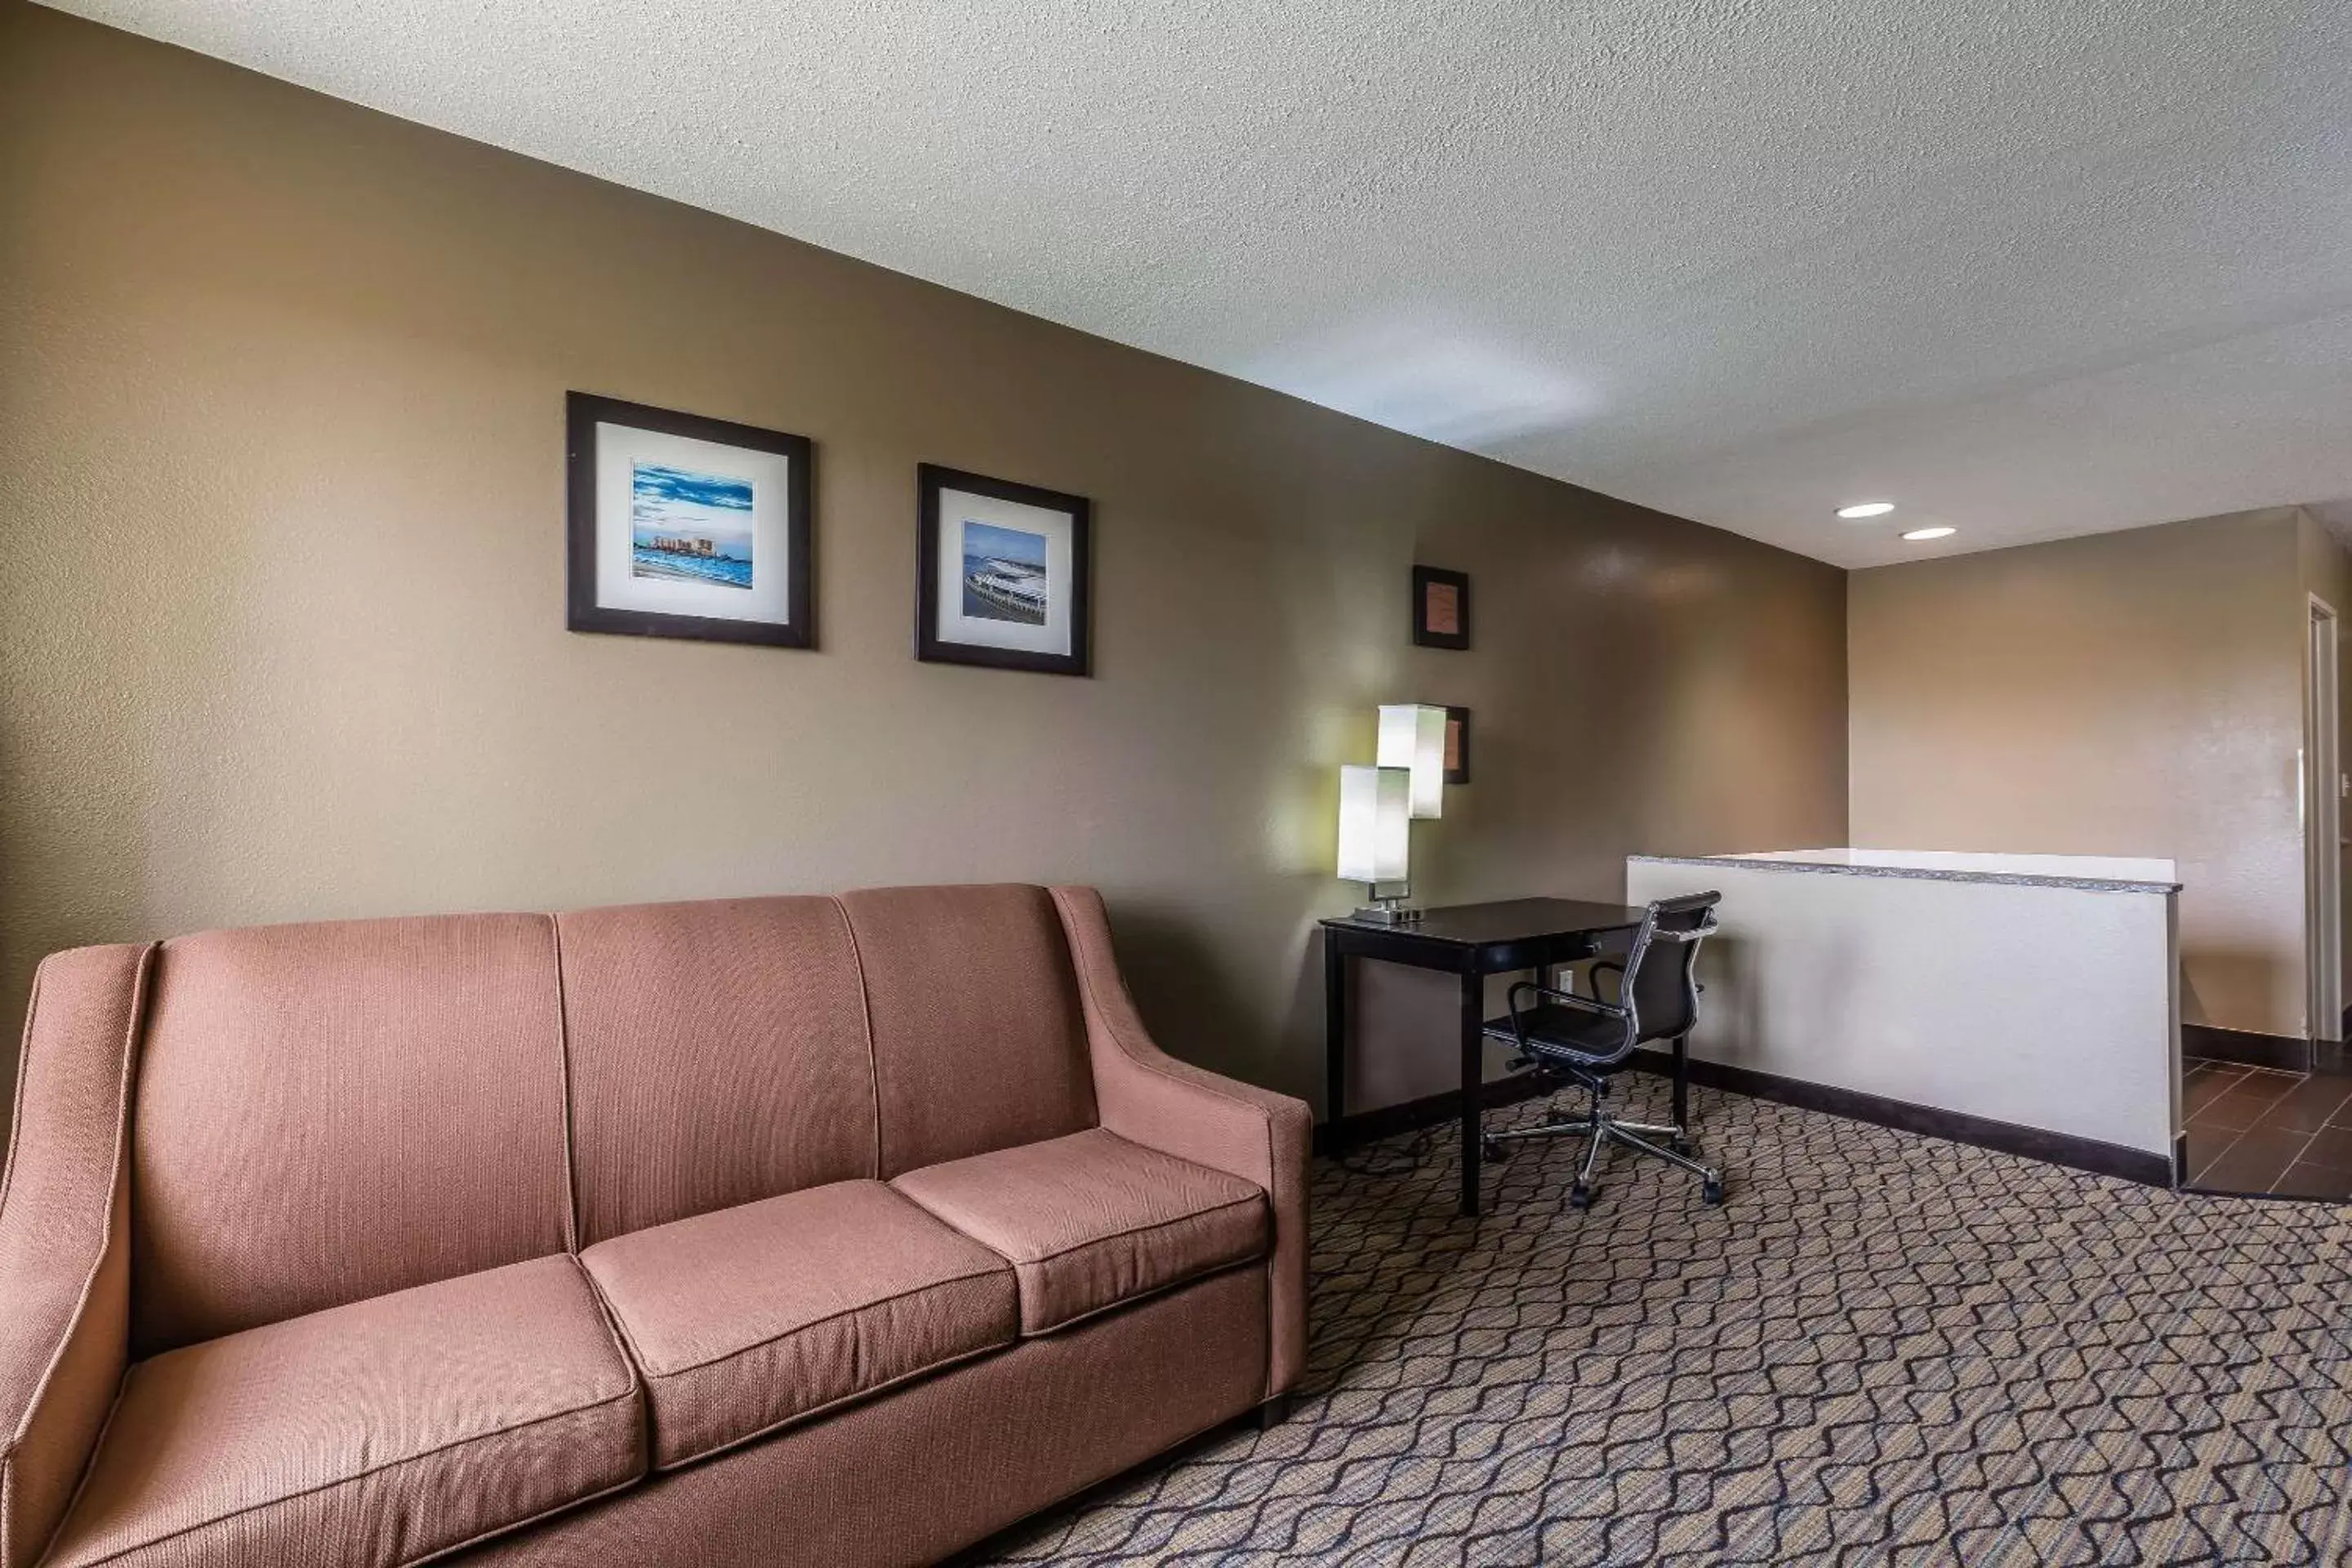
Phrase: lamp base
[1390,911]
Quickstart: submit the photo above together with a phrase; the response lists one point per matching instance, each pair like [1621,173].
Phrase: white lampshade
[1412,737]
[1375,821]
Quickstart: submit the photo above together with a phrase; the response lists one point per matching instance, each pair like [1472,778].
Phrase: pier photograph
[1003,574]
[1000,572]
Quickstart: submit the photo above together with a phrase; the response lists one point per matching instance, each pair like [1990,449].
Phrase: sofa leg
[1273,1413]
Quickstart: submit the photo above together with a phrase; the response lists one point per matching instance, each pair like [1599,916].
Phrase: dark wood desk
[1472,940]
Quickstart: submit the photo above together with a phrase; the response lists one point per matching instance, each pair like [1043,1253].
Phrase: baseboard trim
[1411,1116]
[2247,1047]
[2033,1142]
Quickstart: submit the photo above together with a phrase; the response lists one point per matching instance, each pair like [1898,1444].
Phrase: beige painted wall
[2135,693]
[282,426]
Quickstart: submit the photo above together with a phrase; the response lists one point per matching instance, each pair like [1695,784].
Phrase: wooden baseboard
[2057,1148]
[2247,1047]
[1364,1126]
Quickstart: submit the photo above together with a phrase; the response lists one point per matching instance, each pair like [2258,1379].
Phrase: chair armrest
[1539,1048]
[1149,1097]
[1566,999]
[65,1266]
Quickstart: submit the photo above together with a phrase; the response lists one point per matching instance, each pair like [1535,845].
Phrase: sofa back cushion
[978,1042]
[719,1057]
[330,1113]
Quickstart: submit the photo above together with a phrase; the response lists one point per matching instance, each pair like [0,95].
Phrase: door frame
[2320,785]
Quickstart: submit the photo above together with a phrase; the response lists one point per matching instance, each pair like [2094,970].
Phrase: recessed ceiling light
[1923,533]
[1865,508]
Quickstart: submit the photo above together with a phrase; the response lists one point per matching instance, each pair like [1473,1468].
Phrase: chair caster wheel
[1579,1197]
[1499,1153]
[1710,1189]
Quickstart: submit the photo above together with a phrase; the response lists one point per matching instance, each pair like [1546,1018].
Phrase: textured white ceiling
[2032,267]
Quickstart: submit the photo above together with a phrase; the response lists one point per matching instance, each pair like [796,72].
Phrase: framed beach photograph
[1458,745]
[1001,574]
[1440,607]
[686,527]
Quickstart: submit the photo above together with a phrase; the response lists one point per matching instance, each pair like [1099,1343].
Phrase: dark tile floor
[2253,1131]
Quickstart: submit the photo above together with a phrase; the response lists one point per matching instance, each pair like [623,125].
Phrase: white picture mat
[619,448]
[958,508]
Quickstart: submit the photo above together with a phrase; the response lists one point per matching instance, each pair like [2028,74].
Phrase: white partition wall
[2036,990]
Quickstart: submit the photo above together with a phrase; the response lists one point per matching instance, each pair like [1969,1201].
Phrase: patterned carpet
[1887,1348]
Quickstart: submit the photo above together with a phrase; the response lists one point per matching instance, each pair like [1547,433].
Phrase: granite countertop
[2067,872]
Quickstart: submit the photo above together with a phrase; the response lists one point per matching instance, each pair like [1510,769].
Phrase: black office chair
[1584,1041]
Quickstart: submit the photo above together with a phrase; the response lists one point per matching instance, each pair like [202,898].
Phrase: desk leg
[1474,1060]
[1335,1041]
[1682,1083]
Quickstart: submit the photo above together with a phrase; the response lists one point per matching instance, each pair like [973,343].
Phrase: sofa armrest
[1149,1097]
[65,1267]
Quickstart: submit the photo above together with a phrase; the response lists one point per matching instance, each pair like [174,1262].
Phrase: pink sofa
[794,1230]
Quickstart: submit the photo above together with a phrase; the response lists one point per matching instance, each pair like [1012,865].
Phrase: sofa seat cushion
[751,1317]
[1091,1220]
[375,1433]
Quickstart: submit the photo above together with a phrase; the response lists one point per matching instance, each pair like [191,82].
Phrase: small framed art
[1001,574]
[1458,745]
[686,527]
[1440,607]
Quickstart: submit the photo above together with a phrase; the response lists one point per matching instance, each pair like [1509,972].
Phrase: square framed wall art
[1440,607]
[1001,573]
[686,527]
[1458,745]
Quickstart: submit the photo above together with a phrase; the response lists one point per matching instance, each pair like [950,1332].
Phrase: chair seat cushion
[1091,1221]
[751,1317]
[375,1433]
[1551,1024]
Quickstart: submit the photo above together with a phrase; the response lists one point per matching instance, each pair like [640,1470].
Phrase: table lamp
[1375,826]
[1412,737]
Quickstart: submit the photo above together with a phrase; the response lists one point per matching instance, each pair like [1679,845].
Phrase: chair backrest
[1660,985]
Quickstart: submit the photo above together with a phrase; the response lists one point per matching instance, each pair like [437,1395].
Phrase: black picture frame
[1424,578]
[930,479]
[584,411]
[1457,720]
